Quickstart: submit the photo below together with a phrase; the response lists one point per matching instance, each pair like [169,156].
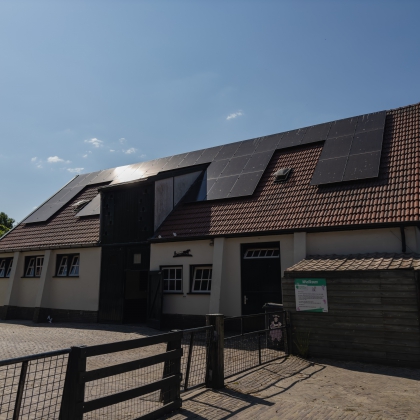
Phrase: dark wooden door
[135,296]
[155,300]
[260,276]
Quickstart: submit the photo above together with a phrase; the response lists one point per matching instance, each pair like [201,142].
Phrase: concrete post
[45,274]
[12,285]
[215,375]
[299,246]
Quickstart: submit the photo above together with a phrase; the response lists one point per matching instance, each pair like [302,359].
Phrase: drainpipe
[403,243]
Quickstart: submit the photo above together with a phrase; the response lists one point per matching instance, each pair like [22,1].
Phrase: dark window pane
[196,285]
[269,252]
[198,274]
[172,273]
[209,288]
[178,285]
[205,274]
[165,285]
[204,285]
[172,285]
[165,274]
[263,253]
[178,273]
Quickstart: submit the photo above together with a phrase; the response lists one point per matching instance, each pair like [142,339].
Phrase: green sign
[311,295]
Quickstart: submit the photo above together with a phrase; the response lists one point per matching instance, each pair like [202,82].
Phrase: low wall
[373,316]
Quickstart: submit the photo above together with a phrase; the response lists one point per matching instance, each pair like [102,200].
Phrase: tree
[6,223]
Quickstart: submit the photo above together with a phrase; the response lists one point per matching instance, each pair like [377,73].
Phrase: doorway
[260,276]
[135,296]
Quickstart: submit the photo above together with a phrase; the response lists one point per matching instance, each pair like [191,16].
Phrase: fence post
[172,367]
[74,386]
[215,375]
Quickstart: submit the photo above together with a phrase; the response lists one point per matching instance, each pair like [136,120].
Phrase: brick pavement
[288,388]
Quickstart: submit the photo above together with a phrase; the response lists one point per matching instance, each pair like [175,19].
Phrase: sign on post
[311,295]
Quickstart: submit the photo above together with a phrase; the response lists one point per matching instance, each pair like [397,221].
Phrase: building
[221,225]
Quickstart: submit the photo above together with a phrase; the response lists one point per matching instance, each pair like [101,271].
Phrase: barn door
[155,300]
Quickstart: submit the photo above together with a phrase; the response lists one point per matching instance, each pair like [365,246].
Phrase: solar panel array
[352,150]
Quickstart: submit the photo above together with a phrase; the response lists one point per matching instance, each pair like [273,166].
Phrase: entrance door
[260,276]
[135,296]
[155,300]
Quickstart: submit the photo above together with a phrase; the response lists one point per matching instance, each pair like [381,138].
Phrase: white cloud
[85,156]
[122,140]
[95,142]
[130,151]
[39,166]
[75,170]
[34,159]
[234,115]
[111,150]
[54,159]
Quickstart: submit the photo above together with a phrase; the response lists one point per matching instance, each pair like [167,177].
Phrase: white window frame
[258,253]
[2,268]
[62,268]
[74,267]
[174,280]
[199,281]
[39,262]
[30,269]
[9,268]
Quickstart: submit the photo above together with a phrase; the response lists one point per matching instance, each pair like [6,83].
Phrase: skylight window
[282,175]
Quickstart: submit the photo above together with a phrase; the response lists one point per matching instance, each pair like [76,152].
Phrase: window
[68,265]
[172,279]
[34,266]
[202,279]
[5,266]
[262,253]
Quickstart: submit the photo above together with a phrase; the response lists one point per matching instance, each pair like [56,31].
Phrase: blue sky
[96,84]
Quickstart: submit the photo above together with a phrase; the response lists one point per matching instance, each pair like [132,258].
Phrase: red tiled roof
[393,197]
[357,262]
[63,229]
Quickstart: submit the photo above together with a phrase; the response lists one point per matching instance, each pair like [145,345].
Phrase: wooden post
[172,367]
[74,386]
[215,375]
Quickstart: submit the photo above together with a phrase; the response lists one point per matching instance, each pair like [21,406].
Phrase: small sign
[311,295]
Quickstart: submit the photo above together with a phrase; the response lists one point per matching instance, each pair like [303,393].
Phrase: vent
[80,204]
[282,175]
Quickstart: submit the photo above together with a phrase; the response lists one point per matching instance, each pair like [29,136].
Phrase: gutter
[43,248]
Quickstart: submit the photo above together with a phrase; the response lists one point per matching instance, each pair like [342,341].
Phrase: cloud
[75,170]
[122,140]
[130,151]
[39,166]
[54,159]
[95,142]
[234,115]
[111,150]
[85,156]
[34,159]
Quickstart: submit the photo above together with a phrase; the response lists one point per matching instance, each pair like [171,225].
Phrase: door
[155,300]
[135,296]
[260,276]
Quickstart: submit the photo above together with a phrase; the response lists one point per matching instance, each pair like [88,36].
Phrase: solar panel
[268,143]
[247,147]
[92,208]
[370,141]
[235,165]
[174,161]
[227,151]
[258,161]
[246,184]
[343,127]
[291,138]
[208,155]
[364,165]
[336,147]
[368,122]
[316,133]
[328,171]
[222,187]
[191,158]
[216,168]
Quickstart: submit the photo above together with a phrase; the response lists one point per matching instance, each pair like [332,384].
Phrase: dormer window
[282,175]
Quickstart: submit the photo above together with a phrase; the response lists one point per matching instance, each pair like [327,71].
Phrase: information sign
[311,295]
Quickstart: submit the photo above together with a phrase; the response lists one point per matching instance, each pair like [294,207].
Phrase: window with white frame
[202,276]
[68,265]
[172,279]
[34,266]
[262,253]
[5,266]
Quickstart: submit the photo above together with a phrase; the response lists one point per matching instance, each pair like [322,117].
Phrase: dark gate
[260,276]
[155,300]
[135,296]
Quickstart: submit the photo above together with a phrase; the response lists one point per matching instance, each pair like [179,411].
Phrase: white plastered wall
[163,255]
[293,248]
[74,293]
